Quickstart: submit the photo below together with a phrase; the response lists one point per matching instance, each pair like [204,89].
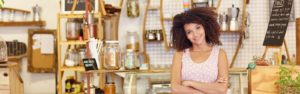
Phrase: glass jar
[130,83]
[131,61]
[72,58]
[72,29]
[112,55]
[81,54]
[132,41]
[133,8]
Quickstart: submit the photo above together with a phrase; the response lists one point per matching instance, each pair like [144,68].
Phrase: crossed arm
[193,87]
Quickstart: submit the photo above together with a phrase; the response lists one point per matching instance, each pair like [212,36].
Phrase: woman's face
[195,33]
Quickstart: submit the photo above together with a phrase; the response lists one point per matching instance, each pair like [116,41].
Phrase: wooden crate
[10,80]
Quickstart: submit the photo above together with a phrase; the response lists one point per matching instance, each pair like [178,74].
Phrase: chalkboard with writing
[89,64]
[66,6]
[278,24]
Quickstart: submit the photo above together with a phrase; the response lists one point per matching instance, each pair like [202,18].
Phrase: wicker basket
[3,51]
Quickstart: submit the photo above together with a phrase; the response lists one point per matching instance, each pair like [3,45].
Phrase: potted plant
[286,83]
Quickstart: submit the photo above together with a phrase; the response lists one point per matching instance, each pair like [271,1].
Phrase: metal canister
[37,13]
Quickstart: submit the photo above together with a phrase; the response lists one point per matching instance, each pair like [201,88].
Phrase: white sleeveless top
[205,72]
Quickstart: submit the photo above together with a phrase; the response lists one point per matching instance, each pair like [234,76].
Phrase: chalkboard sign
[278,24]
[89,64]
[80,6]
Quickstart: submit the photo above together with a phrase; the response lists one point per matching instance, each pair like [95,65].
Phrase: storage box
[10,80]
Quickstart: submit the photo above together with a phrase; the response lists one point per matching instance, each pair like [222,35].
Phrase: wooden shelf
[14,9]
[153,8]
[237,70]
[237,32]
[77,42]
[81,69]
[153,41]
[168,18]
[13,58]
[140,71]
[75,93]
[77,68]
[24,23]
[76,15]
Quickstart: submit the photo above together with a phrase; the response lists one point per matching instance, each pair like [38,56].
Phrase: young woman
[199,65]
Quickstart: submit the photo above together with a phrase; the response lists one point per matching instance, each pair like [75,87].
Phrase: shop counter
[262,79]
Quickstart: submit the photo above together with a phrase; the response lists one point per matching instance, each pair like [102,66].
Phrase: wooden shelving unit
[100,15]
[154,8]
[61,67]
[23,23]
[243,27]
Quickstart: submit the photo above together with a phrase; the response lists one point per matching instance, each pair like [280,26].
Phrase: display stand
[280,53]
[278,23]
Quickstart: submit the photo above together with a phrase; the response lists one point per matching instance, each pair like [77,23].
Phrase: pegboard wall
[259,19]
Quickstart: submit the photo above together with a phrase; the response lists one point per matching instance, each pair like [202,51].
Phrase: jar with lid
[72,58]
[131,60]
[132,41]
[133,8]
[150,35]
[72,29]
[81,54]
[112,55]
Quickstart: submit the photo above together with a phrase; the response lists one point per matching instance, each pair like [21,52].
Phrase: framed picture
[41,51]
[292,15]
[66,6]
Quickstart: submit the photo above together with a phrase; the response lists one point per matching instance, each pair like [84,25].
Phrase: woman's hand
[222,80]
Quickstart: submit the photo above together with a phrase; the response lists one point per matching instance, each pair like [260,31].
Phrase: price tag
[90,64]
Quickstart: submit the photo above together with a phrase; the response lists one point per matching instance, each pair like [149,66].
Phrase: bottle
[69,81]
[109,87]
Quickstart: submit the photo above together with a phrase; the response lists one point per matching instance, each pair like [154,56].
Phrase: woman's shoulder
[222,53]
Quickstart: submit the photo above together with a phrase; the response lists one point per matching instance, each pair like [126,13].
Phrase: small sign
[278,23]
[80,6]
[89,64]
